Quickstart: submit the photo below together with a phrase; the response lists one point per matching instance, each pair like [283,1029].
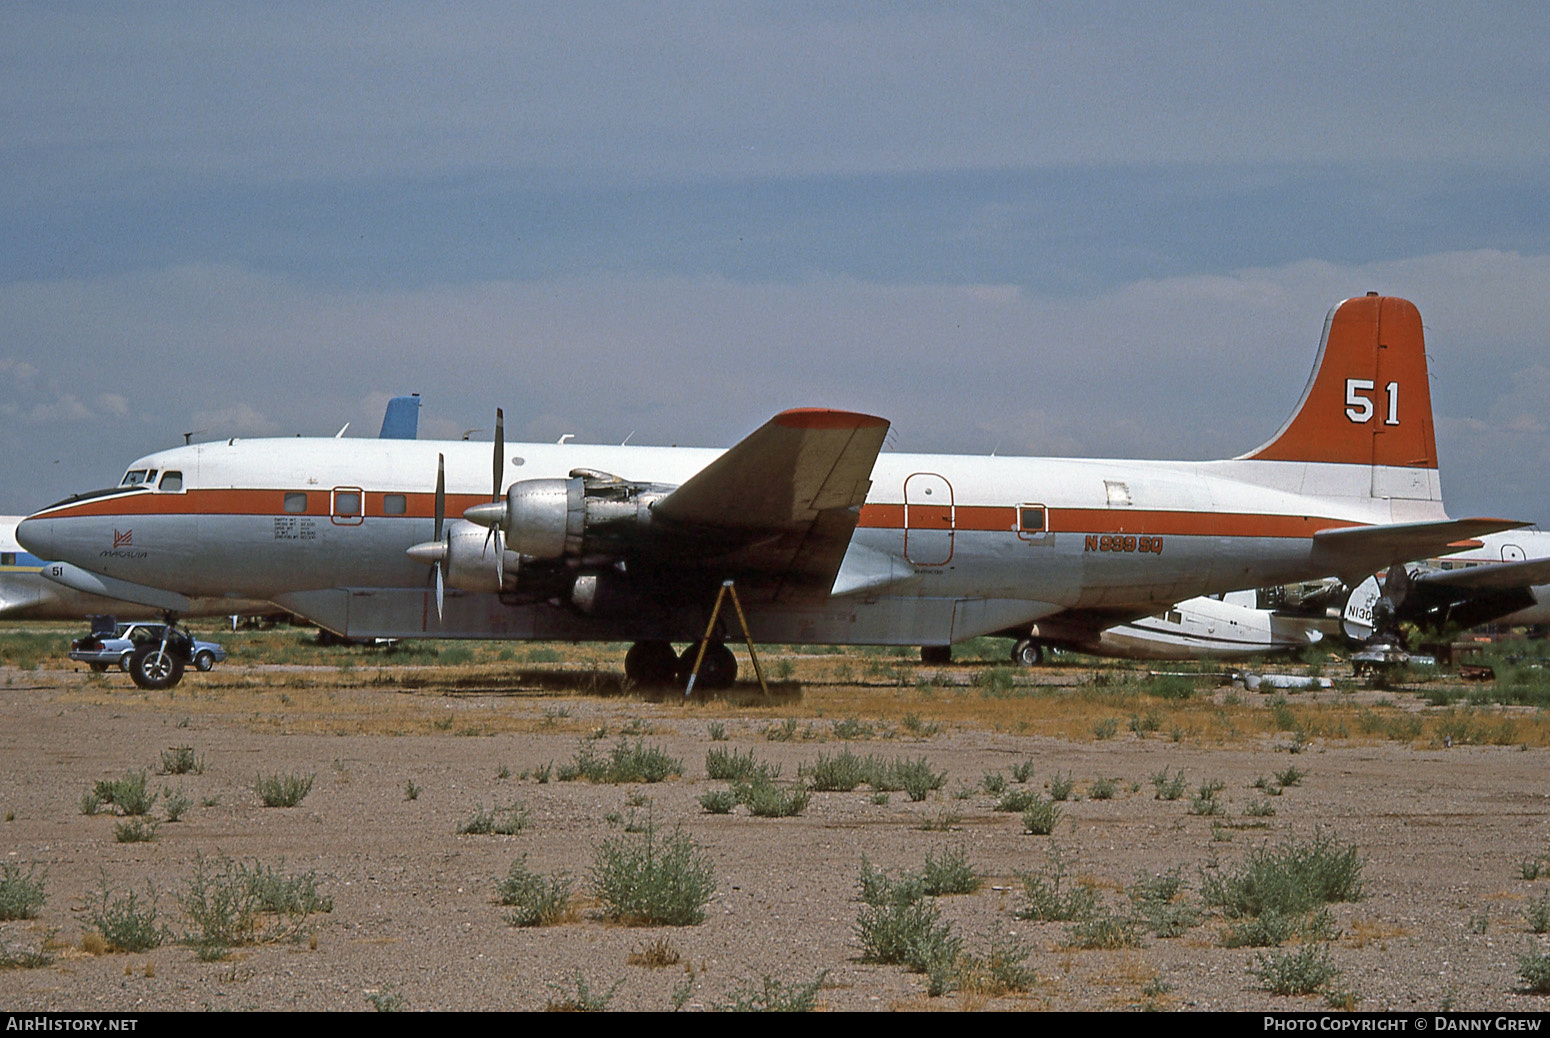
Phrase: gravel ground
[1444,833]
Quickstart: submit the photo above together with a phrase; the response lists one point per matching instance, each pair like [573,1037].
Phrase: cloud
[115,94]
[1188,367]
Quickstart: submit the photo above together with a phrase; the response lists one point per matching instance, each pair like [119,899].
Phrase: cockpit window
[171,481]
[133,478]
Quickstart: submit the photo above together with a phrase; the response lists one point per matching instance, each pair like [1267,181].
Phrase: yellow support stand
[699,657]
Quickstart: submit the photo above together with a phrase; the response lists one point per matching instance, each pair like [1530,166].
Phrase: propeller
[497,467]
[434,552]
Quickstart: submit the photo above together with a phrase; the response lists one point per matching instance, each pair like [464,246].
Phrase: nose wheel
[156,666]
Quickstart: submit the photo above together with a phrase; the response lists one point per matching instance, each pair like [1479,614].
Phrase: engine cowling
[589,514]
[471,560]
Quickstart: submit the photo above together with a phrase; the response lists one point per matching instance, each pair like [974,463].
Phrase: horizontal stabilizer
[1353,552]
[89,583]
[1495,576]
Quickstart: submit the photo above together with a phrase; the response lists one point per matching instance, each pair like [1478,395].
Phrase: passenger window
[347,503]
[172,481]
[296,503]
[7,558]
[1031,519]
[394,504]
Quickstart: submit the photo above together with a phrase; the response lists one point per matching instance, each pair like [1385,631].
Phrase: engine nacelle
[470,561]
[591,513]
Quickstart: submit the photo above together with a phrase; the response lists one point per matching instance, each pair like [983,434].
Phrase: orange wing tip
[823,418]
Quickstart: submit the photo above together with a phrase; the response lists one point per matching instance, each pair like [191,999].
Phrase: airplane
[1228,626]
[824,538]
[26,595]
[1505,579]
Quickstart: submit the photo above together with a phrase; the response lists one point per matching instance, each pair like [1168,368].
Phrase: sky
[1088,229]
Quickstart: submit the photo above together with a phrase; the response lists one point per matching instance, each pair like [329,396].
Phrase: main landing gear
[655,663]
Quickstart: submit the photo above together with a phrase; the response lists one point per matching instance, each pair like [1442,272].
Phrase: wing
[1353,552]
[1497,576]
[783,503]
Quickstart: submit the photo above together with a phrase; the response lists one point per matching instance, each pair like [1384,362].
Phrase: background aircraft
[827,539]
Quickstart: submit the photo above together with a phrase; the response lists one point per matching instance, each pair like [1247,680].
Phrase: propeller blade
[441,494]
[439,591]
[497,467]
[499,461]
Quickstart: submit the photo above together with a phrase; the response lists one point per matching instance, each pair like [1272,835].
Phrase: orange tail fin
[1368,401]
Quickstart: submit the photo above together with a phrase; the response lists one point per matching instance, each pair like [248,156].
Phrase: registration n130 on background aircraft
[827,540]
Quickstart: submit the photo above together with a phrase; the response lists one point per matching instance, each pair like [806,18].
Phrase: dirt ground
[1444,831]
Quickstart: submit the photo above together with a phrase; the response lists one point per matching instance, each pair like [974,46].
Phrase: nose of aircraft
[37,536]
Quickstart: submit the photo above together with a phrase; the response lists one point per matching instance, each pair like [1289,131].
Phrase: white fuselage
[941,551]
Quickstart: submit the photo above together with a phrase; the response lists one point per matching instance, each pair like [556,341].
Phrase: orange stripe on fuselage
[1104,520]
[992,518]
[255,502]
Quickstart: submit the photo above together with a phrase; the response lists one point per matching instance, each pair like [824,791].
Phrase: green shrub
[1050,897]
[1001,971]
[498,821]
[653,881]
[853,728]
[1292,879]
[917,778]
[840,773]
[1103,929]
[907,933]
[1169,785]
[1272,929]
[583,999]
[21,895]
[1103,788]
[626,762]
[128,795]
[175,803]
[126,923]
[732,766]
[181,760]
[994,783]
[767,800]
[1016,800]
[718,801]
[1061,785]
[950,873]
[231,904]
[138,829]
[769,995]
[1534,969]
[282,790]
[1537,915]
[534,899]
[1300,972]
[1040,817]
[1171,687]
[1106,729]
[1021,772]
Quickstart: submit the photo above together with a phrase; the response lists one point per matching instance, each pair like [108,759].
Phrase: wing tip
[825,418]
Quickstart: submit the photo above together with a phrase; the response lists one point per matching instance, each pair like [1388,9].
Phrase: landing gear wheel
[717,670]
[154,667]
[204,662]
[936,655]
[651,663]
[1027,653]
